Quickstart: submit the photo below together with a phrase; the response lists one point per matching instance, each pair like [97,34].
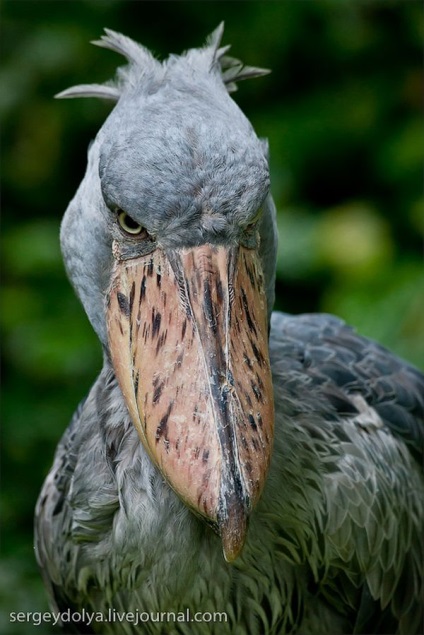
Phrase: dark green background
[342,111]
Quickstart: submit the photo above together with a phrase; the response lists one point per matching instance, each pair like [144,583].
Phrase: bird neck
[268,249]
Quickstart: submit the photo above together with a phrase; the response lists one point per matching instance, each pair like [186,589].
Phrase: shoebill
[227,459]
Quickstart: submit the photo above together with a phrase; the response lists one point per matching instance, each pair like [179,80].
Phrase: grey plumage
[335,542]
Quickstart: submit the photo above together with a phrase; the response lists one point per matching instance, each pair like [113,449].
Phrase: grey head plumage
[177,154]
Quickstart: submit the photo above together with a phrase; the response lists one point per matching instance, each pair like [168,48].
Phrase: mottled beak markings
[188,340]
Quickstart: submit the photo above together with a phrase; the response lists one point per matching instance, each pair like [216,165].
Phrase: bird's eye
[129,225]
[252,226]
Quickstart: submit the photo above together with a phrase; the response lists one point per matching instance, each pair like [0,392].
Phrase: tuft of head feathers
[144,66]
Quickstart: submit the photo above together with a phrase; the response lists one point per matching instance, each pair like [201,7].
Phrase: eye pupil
[128,224]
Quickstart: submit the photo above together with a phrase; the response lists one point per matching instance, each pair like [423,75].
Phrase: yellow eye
[129,225]
[251,227]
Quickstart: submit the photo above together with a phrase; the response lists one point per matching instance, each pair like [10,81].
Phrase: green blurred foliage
[342,112]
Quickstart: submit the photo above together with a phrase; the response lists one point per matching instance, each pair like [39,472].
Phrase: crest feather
[214,39]
[142,63]
[102,91]
[124,45]
[233,70]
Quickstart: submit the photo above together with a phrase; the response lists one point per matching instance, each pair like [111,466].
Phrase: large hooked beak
[188,336]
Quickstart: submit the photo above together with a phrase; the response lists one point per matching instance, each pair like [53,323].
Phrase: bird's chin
[188,337]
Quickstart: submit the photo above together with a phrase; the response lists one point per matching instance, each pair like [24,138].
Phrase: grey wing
[63,527]
[371,407]
[343,362]
[51,517]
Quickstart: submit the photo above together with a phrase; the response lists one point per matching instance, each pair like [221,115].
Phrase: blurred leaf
[354,241]
[388,308]
[68,348]
[297,252]
[402,156]
[32,248]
